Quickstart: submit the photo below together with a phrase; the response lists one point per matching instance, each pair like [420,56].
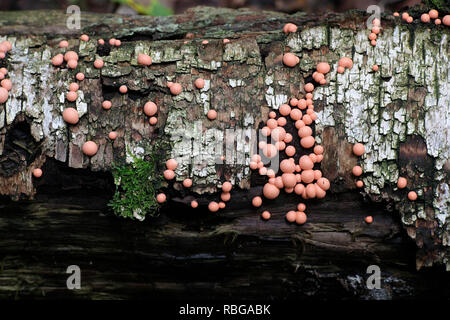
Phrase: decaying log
[400,113]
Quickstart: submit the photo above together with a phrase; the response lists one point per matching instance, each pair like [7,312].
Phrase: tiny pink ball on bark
[90,148]
[123,89]
[150,108]
[175,88]
[7,84]
[187,183]
[161,198]
[72,64]
[70,115]
[74,86]
[153,120]
[71,96]
[58,60]
[106,104]
[63,44]
[144,59]
[3,95]
[199,83]
[169,174]
[37,173]
[112,135]
[212,114]
[71,55]
[80,76]
[84,37]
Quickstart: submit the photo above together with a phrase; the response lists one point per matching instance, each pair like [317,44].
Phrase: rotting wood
[400,113]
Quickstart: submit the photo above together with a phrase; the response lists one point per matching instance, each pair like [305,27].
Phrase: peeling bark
[401,113]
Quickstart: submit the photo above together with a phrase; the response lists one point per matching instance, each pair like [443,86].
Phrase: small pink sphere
[58,60]
[72,64]
[375,68]
[7,84]
[323,67]
[194,204]
[425,18]
[212,114]
[433,14]
[226,186]
[446,20]
[257,202]
[101,42]
[225,41]
[70,115]
[74,86]
[123,89]
[7,44]
[144,59]
[161,198]
[171,164]
[153,120]
[112,41]
[289,28]
[63,44]
[300,217]
[169,174]
[265,215]
[150,108]
[357,171]
[290,59]
[112,135]
[205,42]
[291,216]
[98,63]
[71,96]
[3,95]
[213,206]
[199,83]
[84,37]
[358,149]
[290,151]
[90,148]
[106,104]
[437,21]
[409,19]
[187,183]
[412,195]
[71,55]
[175,88]
[80,76]
[37,173]
[117,43]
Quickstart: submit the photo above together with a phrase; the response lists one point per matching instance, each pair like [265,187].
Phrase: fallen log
[399,113]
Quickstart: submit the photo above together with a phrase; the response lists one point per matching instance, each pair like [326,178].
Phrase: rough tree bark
[401,114]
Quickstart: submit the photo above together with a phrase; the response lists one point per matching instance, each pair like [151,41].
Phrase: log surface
[401,114]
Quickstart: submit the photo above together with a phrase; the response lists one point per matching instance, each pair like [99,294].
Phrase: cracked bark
[400,113]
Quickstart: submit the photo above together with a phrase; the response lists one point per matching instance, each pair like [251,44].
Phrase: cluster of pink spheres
[213,206]
[426,17]
[375,31]
[5,84]
[300,178]
[70,114]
